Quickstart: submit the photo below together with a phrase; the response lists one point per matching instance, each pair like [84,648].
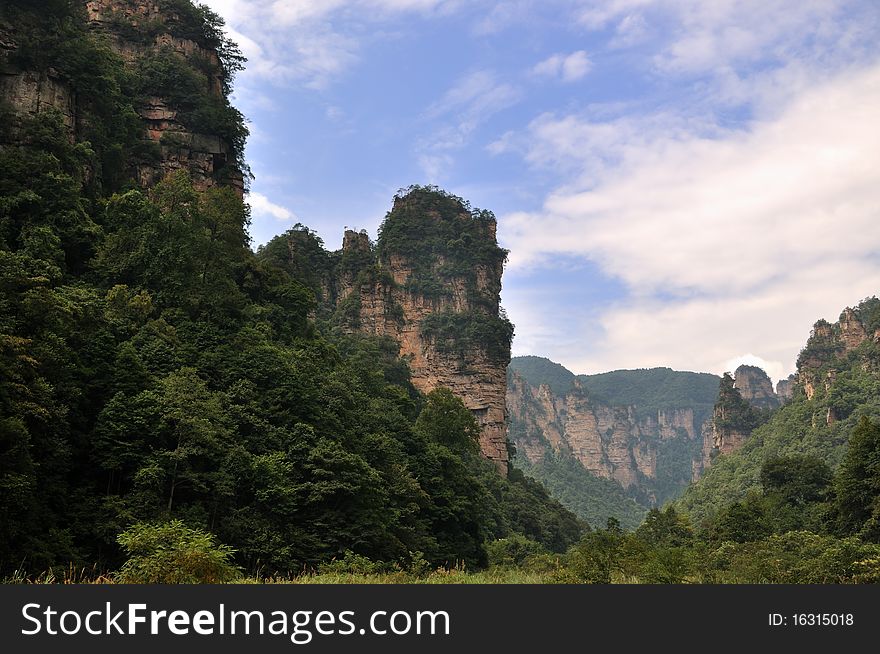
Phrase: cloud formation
[725,242]
[261,207]
[308,42]
[568,68]
[469,103]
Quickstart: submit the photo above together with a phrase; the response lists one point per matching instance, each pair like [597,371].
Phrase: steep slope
[432,283]
[640,429]
[145,82]
[543,453]
[154,369]
[755,387]
[742,406]
[838,382]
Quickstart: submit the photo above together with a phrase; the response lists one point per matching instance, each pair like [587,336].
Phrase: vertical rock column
[421,275]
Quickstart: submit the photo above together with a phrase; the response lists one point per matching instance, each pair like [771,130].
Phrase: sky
[682,183]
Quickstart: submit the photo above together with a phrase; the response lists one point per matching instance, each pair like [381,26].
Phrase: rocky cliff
[745,401]
[432,282]
[836,385]
[785,388]
[178,70]
[755,387]
[829,342]
[647,447]
[435,289]
[735,415]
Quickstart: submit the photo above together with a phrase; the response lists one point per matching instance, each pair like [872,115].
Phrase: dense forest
[156,371]
[176,407]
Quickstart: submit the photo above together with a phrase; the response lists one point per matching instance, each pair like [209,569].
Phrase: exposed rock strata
[613,442]
[386,304]
[205,156]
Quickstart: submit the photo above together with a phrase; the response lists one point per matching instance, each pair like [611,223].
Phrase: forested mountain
[176,407]
[154,368]
[838,384]
[432,283]
[613,444]
[791,495]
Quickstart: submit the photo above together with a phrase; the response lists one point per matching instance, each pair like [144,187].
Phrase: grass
[73,575]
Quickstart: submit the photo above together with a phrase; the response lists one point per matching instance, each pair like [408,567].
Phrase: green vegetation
[300,253]
[647,392]
[55,40]
[52,39]
[538,370]
[172,553]
[857,486]
[591,498]
[460,333]
[171,412]
[170,375]
[822,346]
[428,225]
[168,406]
[819,428]
[183,84]
[733,413]
[654,389]
[183,19]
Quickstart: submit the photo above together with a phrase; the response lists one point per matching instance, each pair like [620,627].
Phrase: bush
[797,557]
[593,560]
[353,564]
[172,553]
[513,551]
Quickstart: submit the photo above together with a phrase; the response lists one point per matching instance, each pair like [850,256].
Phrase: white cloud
[711,36]
[435,166]
[305,41]
[262,207]
[774,369]
[472,101]
[730,242]
[568,68]
[476,95]
[598,14]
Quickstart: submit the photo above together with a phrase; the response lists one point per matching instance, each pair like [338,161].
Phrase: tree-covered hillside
[538,370]
[153,369]
[654,389]
[637,400]
[843,386]
[588,496]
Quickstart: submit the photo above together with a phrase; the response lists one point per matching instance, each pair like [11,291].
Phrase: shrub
[172,553]
[352,564]
[513,551]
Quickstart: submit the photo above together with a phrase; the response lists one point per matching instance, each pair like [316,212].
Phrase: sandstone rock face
[741,402]
[613,442]
[852,333]
[388,304]
[708,452]
[827,342]
[785,387]
[755,387]
[205,156]
[31,93]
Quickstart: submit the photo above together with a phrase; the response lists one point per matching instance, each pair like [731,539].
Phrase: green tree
[857,484]
[446,421]
[666,528]
[798,480]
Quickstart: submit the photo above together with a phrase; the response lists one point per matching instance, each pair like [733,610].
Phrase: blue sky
[680,182]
